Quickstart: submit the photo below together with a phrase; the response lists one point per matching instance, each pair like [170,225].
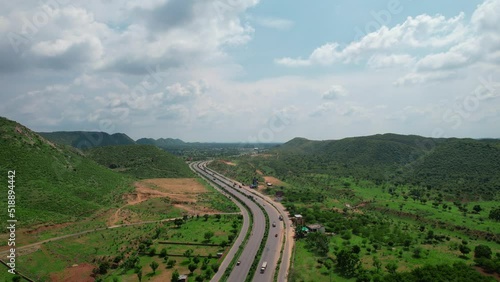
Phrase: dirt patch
[180,191]
[259,172]
[80,273]
[228,163]
[47,227]
[275,181]
[494,275]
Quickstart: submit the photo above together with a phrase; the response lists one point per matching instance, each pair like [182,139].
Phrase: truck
[264,266]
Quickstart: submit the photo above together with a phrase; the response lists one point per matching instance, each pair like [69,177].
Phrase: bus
[264,266]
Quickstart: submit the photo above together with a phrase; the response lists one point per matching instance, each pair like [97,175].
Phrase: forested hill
[54,183]
[466,165]
[87,139]
[141,161]
[161,142]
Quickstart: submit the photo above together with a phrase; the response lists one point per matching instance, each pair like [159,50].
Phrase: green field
[116,246]
[404,225]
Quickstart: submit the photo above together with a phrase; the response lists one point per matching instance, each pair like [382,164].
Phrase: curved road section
[240,272]
[280,237]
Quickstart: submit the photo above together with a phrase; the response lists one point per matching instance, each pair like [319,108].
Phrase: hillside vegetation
[53,183]
[141,161]
[394,208]
[87,139]
[469,167]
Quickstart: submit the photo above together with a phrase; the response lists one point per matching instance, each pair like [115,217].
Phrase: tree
[154,265]
[464,249]
[215,267]
[208,235]
[139,275]
[224,243]
[192,267]
[318,243]
[391,267]
[347,263]
[417,252]
[16,278]
[482,251]
[175,276]
[171,263]
[206,216]
[163,253]
[178,222]
[495,214]
[477,209]
[188,253]
[152,251]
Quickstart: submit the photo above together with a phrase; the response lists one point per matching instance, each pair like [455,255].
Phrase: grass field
[386,221]
[60,258]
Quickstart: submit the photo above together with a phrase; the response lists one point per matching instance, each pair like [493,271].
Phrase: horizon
[274,142]
[219,71]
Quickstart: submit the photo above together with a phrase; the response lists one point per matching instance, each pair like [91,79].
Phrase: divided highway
[274,242]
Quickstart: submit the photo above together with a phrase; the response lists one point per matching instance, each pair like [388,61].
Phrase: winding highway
[278,243]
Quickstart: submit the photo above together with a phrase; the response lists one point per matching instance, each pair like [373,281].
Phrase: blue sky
[250,70]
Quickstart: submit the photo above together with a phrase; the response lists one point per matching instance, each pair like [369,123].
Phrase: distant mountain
[162,142]
[466,165]
[54,183]
[141,161]
[87,139]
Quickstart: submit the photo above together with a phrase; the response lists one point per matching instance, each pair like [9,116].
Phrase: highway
[274,242]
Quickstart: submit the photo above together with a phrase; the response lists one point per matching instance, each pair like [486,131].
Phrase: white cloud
[423,31]
[381,61]
[335,92]
[424,77]
[274,23]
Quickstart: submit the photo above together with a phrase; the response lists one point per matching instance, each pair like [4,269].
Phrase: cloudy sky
[250,70]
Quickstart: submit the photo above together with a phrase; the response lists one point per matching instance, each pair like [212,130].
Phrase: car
[274,224]
[238,263]
[275,235]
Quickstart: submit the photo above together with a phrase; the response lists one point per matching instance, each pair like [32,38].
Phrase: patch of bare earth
[229,163]
[273,180]
[182,193]
[76,273]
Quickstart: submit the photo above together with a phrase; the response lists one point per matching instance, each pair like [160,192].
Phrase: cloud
[382,61]
[335,92]
[274,23]
[423,31]
[425,77]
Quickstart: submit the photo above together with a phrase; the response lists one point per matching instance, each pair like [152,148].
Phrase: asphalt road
[274,242]
[240,272]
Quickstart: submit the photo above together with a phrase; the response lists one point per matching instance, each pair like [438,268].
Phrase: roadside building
[316,228]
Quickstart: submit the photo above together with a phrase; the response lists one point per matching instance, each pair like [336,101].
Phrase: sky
[250,70]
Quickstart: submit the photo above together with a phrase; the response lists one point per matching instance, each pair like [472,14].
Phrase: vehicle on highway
[274,224]
[281,217]
[276,235]
[238,262]
[264,266]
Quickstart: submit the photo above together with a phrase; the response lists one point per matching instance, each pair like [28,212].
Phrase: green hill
[87,139]
[162,142]
[141,161]
[54,183]
[454,165]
